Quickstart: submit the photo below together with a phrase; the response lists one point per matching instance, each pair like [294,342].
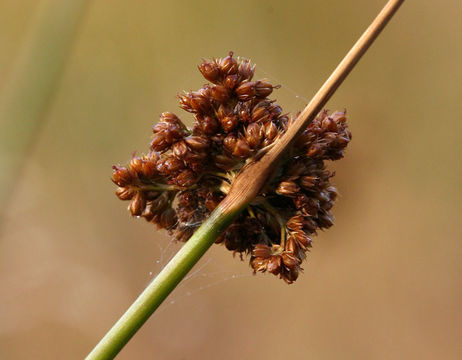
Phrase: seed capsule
[271,131]
[223,111]
[197,143]
[158,142]
[169,165]
[147,213]
[260,114]
[333,193]
[339,116]
[287,188]
[137,204]
[125,193]
[290,274]
[328,124]
[231,81]
[261,250]
[291,245]
[295,223]
[169,118]
[246,91]
[195,102]
[241,149]
[185,178]
[275,111]
[246,69]
[230,142]
[254,135]
[148,169]
[274,265]
[208,124]
[180,149]
[263,88]
[220,93]
[290,260]
[307,182]
[244,112]
[194,159]
[210,70]
[229,65]
[259,264]
[228,123]
[302,239]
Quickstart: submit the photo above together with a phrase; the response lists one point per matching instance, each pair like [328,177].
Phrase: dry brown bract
[189,171]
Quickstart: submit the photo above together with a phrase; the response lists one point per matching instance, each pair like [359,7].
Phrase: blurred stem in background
[27,95]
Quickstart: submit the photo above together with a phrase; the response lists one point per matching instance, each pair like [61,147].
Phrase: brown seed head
[190,170]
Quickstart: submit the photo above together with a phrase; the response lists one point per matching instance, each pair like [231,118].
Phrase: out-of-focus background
[384,283]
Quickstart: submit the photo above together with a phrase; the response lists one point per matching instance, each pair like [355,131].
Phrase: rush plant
[245,175]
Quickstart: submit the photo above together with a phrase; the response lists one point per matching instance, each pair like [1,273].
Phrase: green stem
[162,285]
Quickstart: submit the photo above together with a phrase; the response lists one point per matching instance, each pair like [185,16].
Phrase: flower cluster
[188,171]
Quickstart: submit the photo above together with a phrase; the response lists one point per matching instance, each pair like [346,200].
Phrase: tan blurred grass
[384,282]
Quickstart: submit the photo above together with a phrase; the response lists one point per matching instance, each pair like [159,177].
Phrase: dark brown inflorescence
[188,171]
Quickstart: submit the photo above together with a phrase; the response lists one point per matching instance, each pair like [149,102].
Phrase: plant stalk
[245,187]
[163,284]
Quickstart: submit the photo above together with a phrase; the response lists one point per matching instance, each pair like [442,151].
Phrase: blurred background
[384,283]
